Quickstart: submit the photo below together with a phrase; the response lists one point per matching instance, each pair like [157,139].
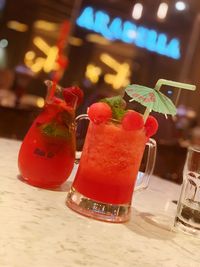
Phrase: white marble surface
[37,230]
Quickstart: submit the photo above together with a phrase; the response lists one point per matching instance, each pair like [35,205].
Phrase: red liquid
[110,162]
[47,154]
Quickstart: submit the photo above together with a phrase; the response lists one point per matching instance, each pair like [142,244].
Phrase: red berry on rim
[151,126]
[69,93]
[99,112]
[132,120]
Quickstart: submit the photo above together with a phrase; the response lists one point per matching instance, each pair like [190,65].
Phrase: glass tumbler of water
[188,211]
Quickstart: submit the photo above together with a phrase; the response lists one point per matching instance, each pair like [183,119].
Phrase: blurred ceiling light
[162,10]
[75,41]
[180,5]
[38,64]
[46,25]
[137,11]
[17,26]
[3,43]
[30,55]
[95,38]
[121,78]
[110,61]
[40,102]
[51,59]
[41,44]
[28,59]
[46,63]
[93,72]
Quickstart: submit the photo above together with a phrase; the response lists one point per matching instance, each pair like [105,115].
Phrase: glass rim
[49,83]
[85,115]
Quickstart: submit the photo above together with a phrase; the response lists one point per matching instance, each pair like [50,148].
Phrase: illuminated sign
[128,32]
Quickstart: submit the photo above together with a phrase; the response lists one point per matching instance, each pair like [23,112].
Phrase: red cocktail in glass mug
[46,156]
[109,166]
[113,151]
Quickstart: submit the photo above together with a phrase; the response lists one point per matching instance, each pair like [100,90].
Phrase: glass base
[187,228]
[97,210]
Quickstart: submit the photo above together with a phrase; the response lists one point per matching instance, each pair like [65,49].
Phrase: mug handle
[142,181]
[77,119]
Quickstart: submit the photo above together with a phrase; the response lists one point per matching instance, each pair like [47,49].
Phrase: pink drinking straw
[61,61]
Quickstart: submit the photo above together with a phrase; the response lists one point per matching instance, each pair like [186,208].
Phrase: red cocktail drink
[47,154]
[113,151]
[110,162]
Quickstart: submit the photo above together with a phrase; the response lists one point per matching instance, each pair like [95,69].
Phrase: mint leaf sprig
[118,105]
[55,130]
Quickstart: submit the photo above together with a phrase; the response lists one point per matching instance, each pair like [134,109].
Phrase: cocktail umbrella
[153,99]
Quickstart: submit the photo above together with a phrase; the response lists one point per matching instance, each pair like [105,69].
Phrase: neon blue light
[129,32]
[141,36]
[101,24]
[151,40]
[115,29]
[173,49]
[86,19]
[161,44]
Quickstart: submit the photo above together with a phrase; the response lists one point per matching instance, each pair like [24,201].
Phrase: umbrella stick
[146,114]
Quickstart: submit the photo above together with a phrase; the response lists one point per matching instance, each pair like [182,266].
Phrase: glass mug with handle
[188,210]
[108,169]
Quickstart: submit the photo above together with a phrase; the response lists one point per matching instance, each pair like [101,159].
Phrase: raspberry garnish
[151,126]
[132,120]
[99,112]
[70,93]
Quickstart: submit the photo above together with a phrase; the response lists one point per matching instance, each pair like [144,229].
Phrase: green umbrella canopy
[151,98]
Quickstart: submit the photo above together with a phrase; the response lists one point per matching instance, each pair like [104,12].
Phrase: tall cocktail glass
[46,156]
[108,169]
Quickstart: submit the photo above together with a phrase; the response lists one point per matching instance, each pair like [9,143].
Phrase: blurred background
[108,45]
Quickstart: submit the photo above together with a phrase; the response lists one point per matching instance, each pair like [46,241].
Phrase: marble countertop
[38,230]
